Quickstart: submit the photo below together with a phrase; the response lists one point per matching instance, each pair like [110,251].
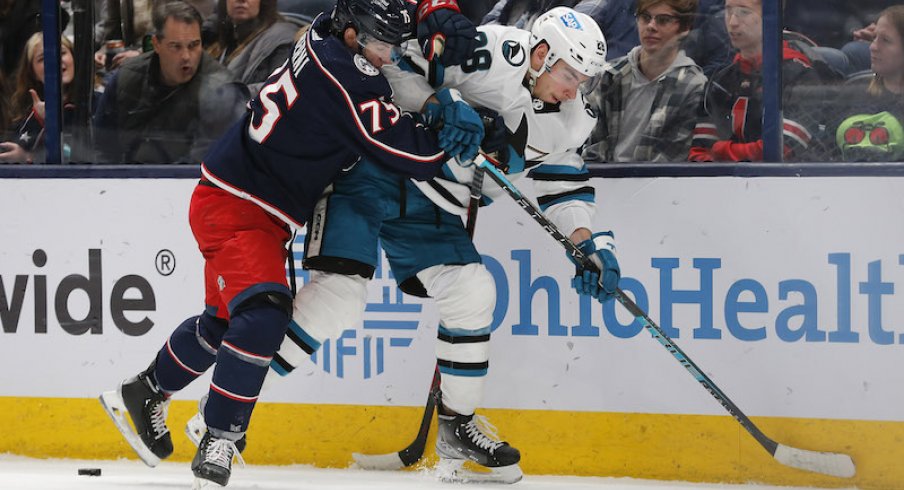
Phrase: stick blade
[380,462]
[832,464]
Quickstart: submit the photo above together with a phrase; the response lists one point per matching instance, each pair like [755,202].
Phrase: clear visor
[388,53]
[570,78]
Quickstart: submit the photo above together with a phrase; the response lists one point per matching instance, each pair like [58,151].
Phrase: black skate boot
[147,408]
[196,427]
[471,437]
[213,461]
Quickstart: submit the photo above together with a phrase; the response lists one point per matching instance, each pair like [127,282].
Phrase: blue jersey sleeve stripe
[351,107]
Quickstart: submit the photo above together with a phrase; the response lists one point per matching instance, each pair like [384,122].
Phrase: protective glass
[389,53]
[566,76]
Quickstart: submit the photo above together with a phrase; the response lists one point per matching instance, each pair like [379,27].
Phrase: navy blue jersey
[325,109]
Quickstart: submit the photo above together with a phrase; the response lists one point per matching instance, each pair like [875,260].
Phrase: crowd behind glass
[684,82]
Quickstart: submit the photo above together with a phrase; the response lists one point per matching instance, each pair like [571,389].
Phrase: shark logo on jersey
[513,52]
[365,67]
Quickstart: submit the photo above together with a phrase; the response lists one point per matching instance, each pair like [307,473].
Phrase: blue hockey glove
[462,128]
[600,248]
[442,31]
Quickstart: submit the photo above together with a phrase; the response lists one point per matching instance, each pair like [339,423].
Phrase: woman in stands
[873,129]
[26,105]
[253,39]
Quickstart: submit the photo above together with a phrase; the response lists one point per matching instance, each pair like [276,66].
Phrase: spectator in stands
[708,43]
[834,24]
[830,22]
[647,101]
[616,19]
[857,52]
[729,124]
[253,39]
[19,19]
[522,13]
[117,24]
[26,105]
[872,128]
[4,105]
[165,106]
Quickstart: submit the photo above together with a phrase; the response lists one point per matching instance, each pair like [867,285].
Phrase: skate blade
[201,484]
[195,429]
[116,409]
[453,471]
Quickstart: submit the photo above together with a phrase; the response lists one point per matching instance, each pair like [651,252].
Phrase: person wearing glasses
[871,127]
[729,123]
[647,101]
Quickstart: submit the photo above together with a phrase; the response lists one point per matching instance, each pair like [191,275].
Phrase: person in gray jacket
[253,40]
[647,100]
[167,105]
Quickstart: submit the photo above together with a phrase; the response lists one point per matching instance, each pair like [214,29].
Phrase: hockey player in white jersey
[534,81]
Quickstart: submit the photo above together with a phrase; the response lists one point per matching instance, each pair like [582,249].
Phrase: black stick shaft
[639,314]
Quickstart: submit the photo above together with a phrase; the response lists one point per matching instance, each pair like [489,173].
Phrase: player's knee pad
[209,331]
[326,305]
[257,327]
[465,294]
[330,303]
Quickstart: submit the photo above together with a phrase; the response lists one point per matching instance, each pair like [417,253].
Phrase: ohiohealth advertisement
[787,292]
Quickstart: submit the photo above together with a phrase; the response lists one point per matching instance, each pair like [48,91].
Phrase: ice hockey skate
[213,461]
[147,408]
[196,427]
[472,438]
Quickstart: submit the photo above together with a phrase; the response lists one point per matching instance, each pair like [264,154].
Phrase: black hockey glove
[443,32]
[495,144]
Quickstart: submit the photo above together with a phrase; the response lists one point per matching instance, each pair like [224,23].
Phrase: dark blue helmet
[386,20]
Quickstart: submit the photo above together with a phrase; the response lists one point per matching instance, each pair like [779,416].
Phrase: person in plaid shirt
[647,101]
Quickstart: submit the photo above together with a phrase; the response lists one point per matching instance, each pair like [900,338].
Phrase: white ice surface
[18,473]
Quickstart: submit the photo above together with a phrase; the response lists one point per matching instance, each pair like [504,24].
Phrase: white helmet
[573,37]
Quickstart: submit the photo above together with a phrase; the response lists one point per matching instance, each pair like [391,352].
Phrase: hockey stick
[412,453]
[833,464]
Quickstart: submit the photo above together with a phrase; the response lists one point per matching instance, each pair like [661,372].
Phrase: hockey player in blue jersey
[534,80]
[326,109]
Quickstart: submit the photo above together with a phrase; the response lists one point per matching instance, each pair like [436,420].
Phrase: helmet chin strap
[535,74]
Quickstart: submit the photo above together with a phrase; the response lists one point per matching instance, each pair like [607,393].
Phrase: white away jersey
[494,78]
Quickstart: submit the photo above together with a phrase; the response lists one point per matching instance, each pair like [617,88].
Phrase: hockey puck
[89,471]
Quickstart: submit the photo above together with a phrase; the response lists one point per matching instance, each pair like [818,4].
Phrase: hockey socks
[189,352]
